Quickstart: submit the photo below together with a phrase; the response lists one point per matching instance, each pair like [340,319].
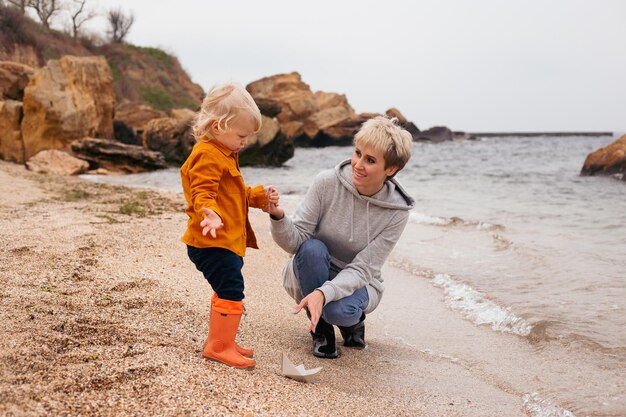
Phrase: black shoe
[324,340]
[354,336]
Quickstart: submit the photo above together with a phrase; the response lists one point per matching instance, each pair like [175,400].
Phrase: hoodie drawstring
[352,222]
[367,221]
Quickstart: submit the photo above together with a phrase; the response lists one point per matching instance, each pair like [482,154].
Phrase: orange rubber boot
[223,326]
[242,350]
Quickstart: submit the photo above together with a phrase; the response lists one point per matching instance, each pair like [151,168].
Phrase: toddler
[218,229]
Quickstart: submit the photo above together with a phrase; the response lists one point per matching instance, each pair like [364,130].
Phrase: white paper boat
[298,372]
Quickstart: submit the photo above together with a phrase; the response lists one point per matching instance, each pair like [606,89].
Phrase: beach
[101,313]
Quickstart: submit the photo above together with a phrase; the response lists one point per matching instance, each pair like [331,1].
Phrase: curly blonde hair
[223,103]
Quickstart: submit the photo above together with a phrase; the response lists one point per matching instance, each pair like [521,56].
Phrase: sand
[101,313]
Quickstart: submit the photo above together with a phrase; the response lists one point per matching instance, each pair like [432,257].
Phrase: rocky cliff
[143,75]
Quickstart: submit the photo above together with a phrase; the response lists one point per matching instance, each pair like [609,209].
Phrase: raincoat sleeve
[256,197]
[204,179]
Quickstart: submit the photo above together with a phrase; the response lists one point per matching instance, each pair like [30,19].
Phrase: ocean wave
[538,407]
[421,218]
[475,307]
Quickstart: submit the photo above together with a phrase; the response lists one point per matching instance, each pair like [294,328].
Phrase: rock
[184,115]
[117,157]
[13,79]
[171,137]
[136,115]
[268,147]
[131,119]
[329,100]
[295,98]
[402,121]
[342,134]
[292,129]
[320,120]
[610,160]
[11,144]
[125,134]
[435,134]
[67,99]
[268,107]
[56,162]
[312,119]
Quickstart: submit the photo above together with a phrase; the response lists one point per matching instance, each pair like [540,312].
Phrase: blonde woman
[342,233]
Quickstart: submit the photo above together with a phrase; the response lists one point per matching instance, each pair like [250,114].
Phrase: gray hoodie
[359,232]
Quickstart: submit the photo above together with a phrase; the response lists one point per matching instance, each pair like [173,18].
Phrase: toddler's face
[238,132]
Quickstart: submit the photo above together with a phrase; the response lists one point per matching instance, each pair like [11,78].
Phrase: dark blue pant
[313,268]
[222,269]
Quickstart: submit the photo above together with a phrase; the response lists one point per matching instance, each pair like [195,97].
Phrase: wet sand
[101,313]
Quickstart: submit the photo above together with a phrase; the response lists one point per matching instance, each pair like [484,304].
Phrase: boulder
[295,98]
[125,134]
[610,160]
[268,107]
[67,99]
[172,137]
[56,162]
[13,79]
[326,100]
[341,134]
[184,115]
[11,145]
[332,108]
[312,119]
[117,157]
[435,134]
[402,121]
[136,115]
[268,147]
[323,119]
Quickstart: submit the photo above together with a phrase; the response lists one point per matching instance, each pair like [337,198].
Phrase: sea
[515,240]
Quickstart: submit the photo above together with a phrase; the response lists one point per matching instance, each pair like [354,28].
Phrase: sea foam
[475,307]
[421,218]
[538,407]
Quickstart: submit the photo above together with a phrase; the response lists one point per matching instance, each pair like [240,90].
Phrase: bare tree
[45,9]
[79,15]
[120,24]
[20,4]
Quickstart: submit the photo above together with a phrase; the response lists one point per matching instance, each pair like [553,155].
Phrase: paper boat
[298,372]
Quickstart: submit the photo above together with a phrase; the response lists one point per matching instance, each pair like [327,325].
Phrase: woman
[342,233]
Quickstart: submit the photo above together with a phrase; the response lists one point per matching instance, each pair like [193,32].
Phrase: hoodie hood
[391,196]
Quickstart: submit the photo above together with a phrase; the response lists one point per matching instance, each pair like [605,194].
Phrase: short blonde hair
[387,137]
[223,103]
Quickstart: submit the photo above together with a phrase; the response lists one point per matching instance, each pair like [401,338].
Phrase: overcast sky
[473,65]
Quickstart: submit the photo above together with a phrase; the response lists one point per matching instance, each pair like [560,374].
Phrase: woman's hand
[314,302]
[211,223]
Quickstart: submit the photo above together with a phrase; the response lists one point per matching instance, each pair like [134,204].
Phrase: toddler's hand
[272,196]
[272,203]
[211,223]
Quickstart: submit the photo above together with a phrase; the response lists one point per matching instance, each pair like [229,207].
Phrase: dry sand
[101,313]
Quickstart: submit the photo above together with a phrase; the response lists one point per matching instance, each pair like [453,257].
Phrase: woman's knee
[314,250]
[342,313]
[311,265]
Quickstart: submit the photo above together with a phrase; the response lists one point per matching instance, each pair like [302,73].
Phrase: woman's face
[368,170]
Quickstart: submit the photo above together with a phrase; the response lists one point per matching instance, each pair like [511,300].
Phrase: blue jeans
[313,268]
[221,268]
